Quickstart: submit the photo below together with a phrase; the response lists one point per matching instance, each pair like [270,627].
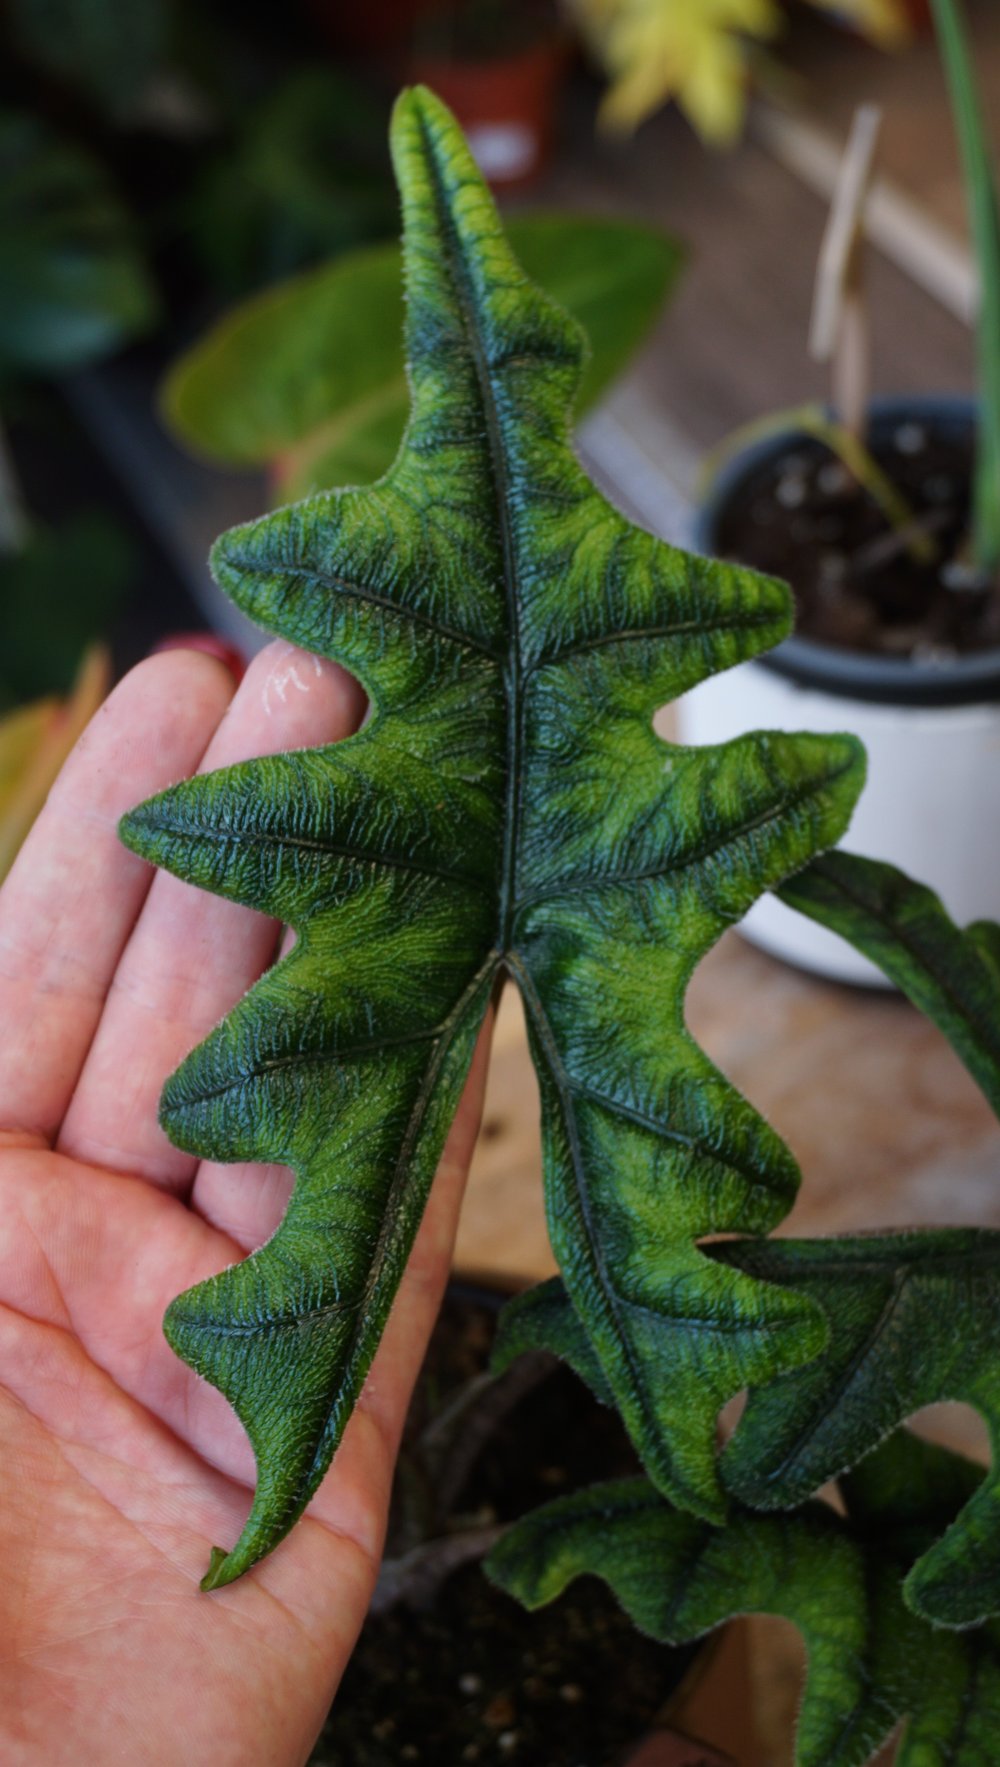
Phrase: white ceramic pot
[932,732]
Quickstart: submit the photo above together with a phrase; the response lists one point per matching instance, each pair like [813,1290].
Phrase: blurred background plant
[307,379]
[702,53]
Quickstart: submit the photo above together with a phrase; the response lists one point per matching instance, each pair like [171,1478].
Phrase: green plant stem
[981,196]
[812,420]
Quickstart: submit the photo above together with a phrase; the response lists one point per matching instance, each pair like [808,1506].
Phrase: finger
[192,955]
[89,1250]
[71,899]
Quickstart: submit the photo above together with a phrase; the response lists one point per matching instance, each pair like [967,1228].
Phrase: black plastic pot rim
[849,674]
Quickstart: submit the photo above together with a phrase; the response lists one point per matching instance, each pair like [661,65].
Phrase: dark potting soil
[474,1678]
[803,517]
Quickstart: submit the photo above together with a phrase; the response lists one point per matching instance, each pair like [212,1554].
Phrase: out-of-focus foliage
[309,378]
[981,202]
[58,593]
[107,48]
[72,284]
[307,177]
[698,52]
[34,743]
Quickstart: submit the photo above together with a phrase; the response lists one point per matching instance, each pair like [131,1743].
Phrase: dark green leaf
[508,810]
[952,975]
[871,1662]
[72,286]
[57,595]
[306,179]
[310,376]
[106,48]
[915,1319]
[544,1318]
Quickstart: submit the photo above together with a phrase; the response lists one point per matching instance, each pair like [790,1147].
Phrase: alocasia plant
[915,1320]
[508,811]
[872,1663]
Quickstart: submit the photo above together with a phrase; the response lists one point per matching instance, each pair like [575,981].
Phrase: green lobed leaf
[952,975]
[544,1318]
[871,1662]
[916,1319]
[310,375]
[507,811]
[72,285]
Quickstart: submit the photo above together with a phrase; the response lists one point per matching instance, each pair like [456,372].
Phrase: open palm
[119,1469]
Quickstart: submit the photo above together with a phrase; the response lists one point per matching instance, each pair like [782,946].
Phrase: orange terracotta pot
[506,106]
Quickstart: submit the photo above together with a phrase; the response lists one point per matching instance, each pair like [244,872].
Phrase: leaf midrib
[513,678]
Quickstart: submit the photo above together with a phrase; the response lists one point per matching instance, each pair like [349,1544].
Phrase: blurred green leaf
[310,376]
[984,220]
[106,48]
[307,180]
[72,284]
[34,743]
[57,595]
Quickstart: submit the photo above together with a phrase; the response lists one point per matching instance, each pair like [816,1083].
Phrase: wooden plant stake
[840,332]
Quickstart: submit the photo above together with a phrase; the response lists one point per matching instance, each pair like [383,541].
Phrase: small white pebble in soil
[571,1693]
[508,1741]
[832,567]
[964,579]
[790,491]
[470,1684]
[833,478]
[910,438]
[934,656]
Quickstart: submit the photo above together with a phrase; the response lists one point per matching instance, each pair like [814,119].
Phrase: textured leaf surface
[915,1319]
[952,975]
[871,1661]
[310,375]
[544,1318]
[507,810]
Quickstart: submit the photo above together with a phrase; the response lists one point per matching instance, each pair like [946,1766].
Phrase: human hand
[119,1468]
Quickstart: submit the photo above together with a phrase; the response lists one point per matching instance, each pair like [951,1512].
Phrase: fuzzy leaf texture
[872,1663]
[508,811]
[916,1320]
[952,974]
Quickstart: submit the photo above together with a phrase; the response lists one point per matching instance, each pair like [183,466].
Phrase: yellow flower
[697,52]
